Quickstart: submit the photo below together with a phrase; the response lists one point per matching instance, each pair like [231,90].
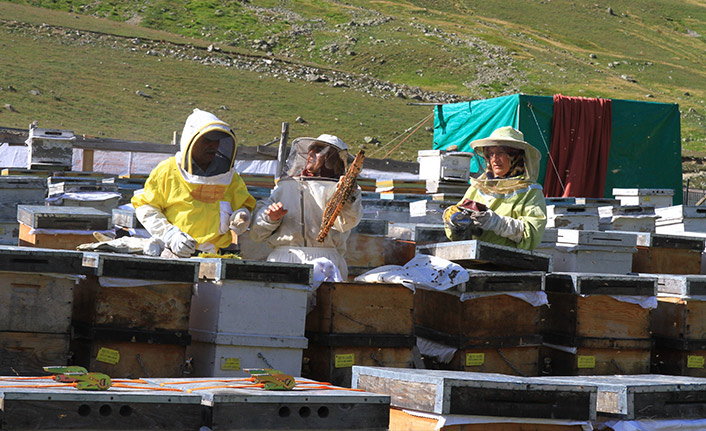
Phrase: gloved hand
[239,221]
[508,227]
[180,243]
[460,223]
[153,247]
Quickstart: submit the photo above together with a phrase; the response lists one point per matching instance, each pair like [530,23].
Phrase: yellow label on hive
[586,362]
[344,361]
[232,364]
[109,356]
[475,359]
[694,361]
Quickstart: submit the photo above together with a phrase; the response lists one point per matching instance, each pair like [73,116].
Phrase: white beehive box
[681,218]
[50,148]
[654,197]
[246,314]
[587,258]
[444,165]
[228,354]
[633,218]
[572,217]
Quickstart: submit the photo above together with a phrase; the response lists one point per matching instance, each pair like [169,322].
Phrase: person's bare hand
[275,211]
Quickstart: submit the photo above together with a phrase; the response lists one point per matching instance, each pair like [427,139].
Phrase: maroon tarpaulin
[580,146]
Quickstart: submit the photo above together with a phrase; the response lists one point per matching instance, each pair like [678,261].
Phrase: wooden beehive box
[668,254]
[58,227]
[366,252]
[359,324]
[35,317]
[679,326]
[680,218]
[572,216]
[655,197]
[136,308]
[493,330]
[483,394]
[644,396]
[418,233]
[600,334]
[593,251]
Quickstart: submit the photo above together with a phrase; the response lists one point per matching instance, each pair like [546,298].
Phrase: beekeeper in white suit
[193,200]
[290,219]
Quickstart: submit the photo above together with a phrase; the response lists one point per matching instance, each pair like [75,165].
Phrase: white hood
[200,123]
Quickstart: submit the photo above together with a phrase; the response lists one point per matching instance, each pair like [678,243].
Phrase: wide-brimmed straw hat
[510,137]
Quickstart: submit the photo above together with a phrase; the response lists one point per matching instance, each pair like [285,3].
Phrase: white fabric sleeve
[154,221]
[508,227]
[262,226]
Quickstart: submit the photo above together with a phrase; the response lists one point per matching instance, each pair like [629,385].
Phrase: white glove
[180,243]
[239,221]
[153,247]
[508,227]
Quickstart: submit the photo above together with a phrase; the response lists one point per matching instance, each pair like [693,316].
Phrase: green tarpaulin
[645,149]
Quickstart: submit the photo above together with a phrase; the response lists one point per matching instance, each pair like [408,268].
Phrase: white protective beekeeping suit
[304,196]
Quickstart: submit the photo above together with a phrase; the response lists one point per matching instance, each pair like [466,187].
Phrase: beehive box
[309,406]
[236,301]
[359,324]
[680,218]
[592,331]
[444,165]
[668,254]
[593,251]
[50,148]
[655,197]
[492,330]
[365,252]
[483,255]
[644,396]
[141,407]
[573,216]
[419,233]
[483,394]
[37,298]
[633,218]
[678,326]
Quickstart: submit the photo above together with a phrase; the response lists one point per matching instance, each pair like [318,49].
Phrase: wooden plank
[57,241]
[301,409]
[142,267]
[600,284]
[25,297]
[401,420]
[454,392]
[362,308]
[63,217]
[474,253]
[26,353]
[252,270]
[147,306]
[40,260]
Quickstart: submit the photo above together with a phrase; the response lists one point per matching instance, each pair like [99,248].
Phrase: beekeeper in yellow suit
[193,200]
[504,205]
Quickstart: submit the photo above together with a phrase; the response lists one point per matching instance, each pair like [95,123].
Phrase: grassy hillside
[467,49]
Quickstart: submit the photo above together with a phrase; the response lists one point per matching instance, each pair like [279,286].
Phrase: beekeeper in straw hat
[193,200]
[504,205]
[290,219]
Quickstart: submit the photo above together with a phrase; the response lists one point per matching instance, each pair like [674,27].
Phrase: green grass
[436,45]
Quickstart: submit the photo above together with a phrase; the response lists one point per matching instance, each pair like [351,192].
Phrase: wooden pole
[282,150]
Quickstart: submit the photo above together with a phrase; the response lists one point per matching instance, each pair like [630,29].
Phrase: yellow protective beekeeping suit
[198,205]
